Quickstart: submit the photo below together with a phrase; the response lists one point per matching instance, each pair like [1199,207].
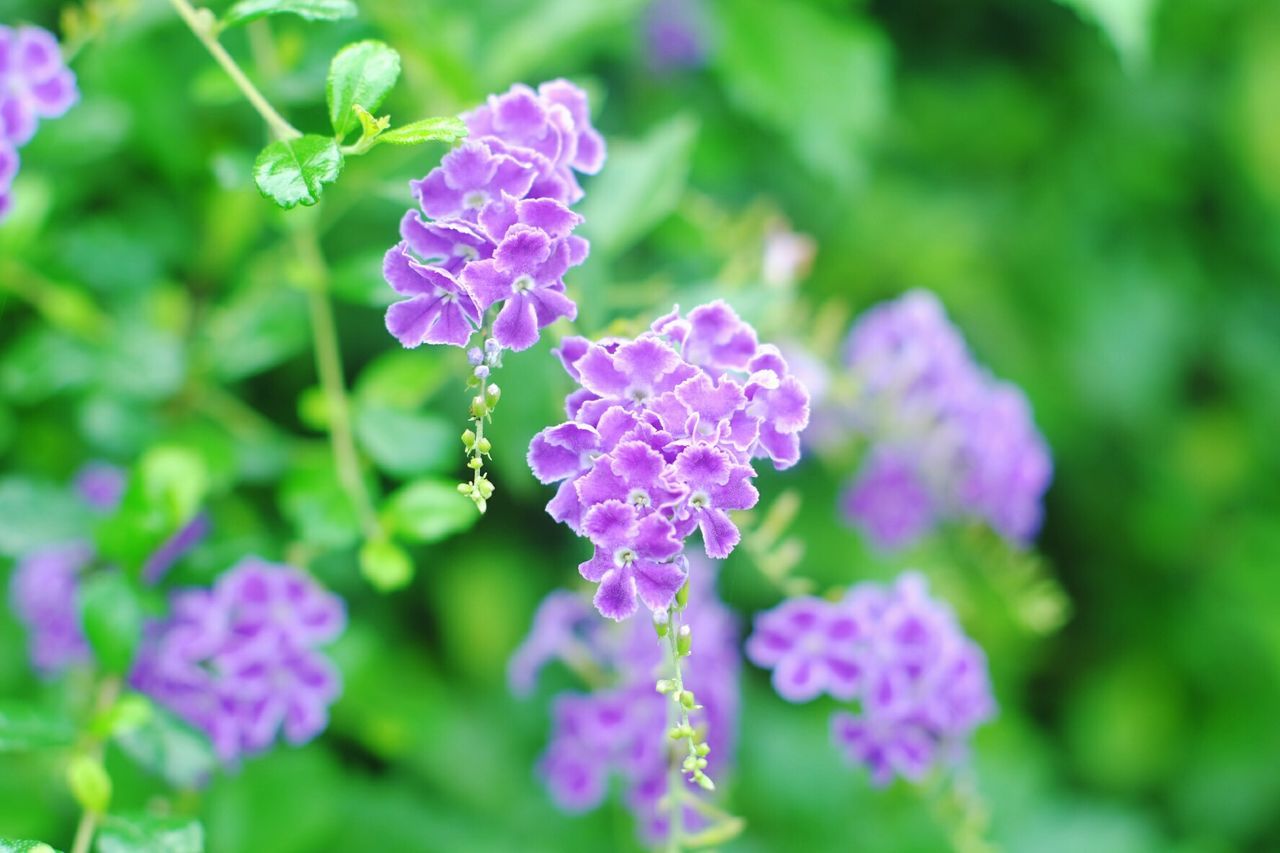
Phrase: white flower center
[475,199]
[462,250]
[522,284]
[699,500]
[638,497]
[624,557]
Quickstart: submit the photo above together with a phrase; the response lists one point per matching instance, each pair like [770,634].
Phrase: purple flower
[42,593]
[889,501]
[812,646]
[240,660]
[175,548]
[948,440]
[675,34]
[100,485]
[661,441]
[920,684]
[34,84]
[495,222]
[439,310]
[619,729]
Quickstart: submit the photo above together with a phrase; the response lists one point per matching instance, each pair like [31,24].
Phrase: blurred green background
[1093,189]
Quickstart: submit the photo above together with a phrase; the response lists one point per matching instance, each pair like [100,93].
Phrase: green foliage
[362,74]
[428,510]
[166,747]
[1127,23]
[89,783]
[8,845]
[111,613]
[146,834]
[293,172]
[36,514]
[447,129]
[25,727]
[312,10]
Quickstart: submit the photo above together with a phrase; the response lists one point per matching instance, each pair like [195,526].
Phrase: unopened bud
[682,596]
[465,488]
[665,685]
[660,622]
[686,699]
[492,395]
[684,641]
[483,445]
[468,439]
[474,357]
[482,373]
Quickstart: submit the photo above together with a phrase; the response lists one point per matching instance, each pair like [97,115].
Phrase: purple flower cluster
[948,439]
[921,685]
[676,34]
[495,226]
[660,442]
[34,84]
[240,660]
[42,591]
[620,727]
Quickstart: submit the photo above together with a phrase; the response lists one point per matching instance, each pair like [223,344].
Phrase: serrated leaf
[450,129]
[169,748]
[147,834]
[111,613]
[360,75]
[24,727]
[293,172]
[11,845]
[428,510]
[311,10]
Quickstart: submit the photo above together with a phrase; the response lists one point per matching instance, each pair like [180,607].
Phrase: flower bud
[661,623]
[465,488]
[682,596]
[468,439]
[491,395]
[483,445]
[665,685]
[482,373]
[474,357]
[684,642]
[686,699]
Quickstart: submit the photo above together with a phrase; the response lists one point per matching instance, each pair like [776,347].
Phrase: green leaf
[314,502]
[293,172]
[311,10]
[89,783]
[406,443]
[385,565]
[641,187]
[428,510]
[112,615]
[450,129]
[1126,23]
[146,834]
[361,74]
[169,748]
[820,81]
[35,514]
[10,845]
[24,727]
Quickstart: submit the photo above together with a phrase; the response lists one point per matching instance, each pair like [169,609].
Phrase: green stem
[676,715]
[84,832]
[329,368]
[205,27]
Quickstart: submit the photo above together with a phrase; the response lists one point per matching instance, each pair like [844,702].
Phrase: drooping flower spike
[661,441]
[493,229]
[618,729]
[241,661]
[948,440]
[920,685]
[35,84]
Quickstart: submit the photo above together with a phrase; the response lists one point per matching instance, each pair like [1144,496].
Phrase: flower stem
[84,832]
[329,368]
[676,716]
[205,27]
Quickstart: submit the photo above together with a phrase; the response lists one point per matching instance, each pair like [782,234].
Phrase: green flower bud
[465,489]
[702,749]
[682,596]
[665,685]
[704,781]
[483,445]
[475,463]
[468,439]
[686,699]
[661,623]
[684,642]
[89,783]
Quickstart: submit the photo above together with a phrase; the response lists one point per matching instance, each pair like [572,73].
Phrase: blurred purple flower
[948,440]
[921,685]
[662,437]
[675,33]
[42,593]
[35,84]
[619,727]
[240,660]
[100,485]
[497,227]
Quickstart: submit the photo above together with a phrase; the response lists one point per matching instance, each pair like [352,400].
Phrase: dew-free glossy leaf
[24,727]
[311,10]
[293,172]
[112,615]
[448,129]
[147,834]
[428,510]
[362,73]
